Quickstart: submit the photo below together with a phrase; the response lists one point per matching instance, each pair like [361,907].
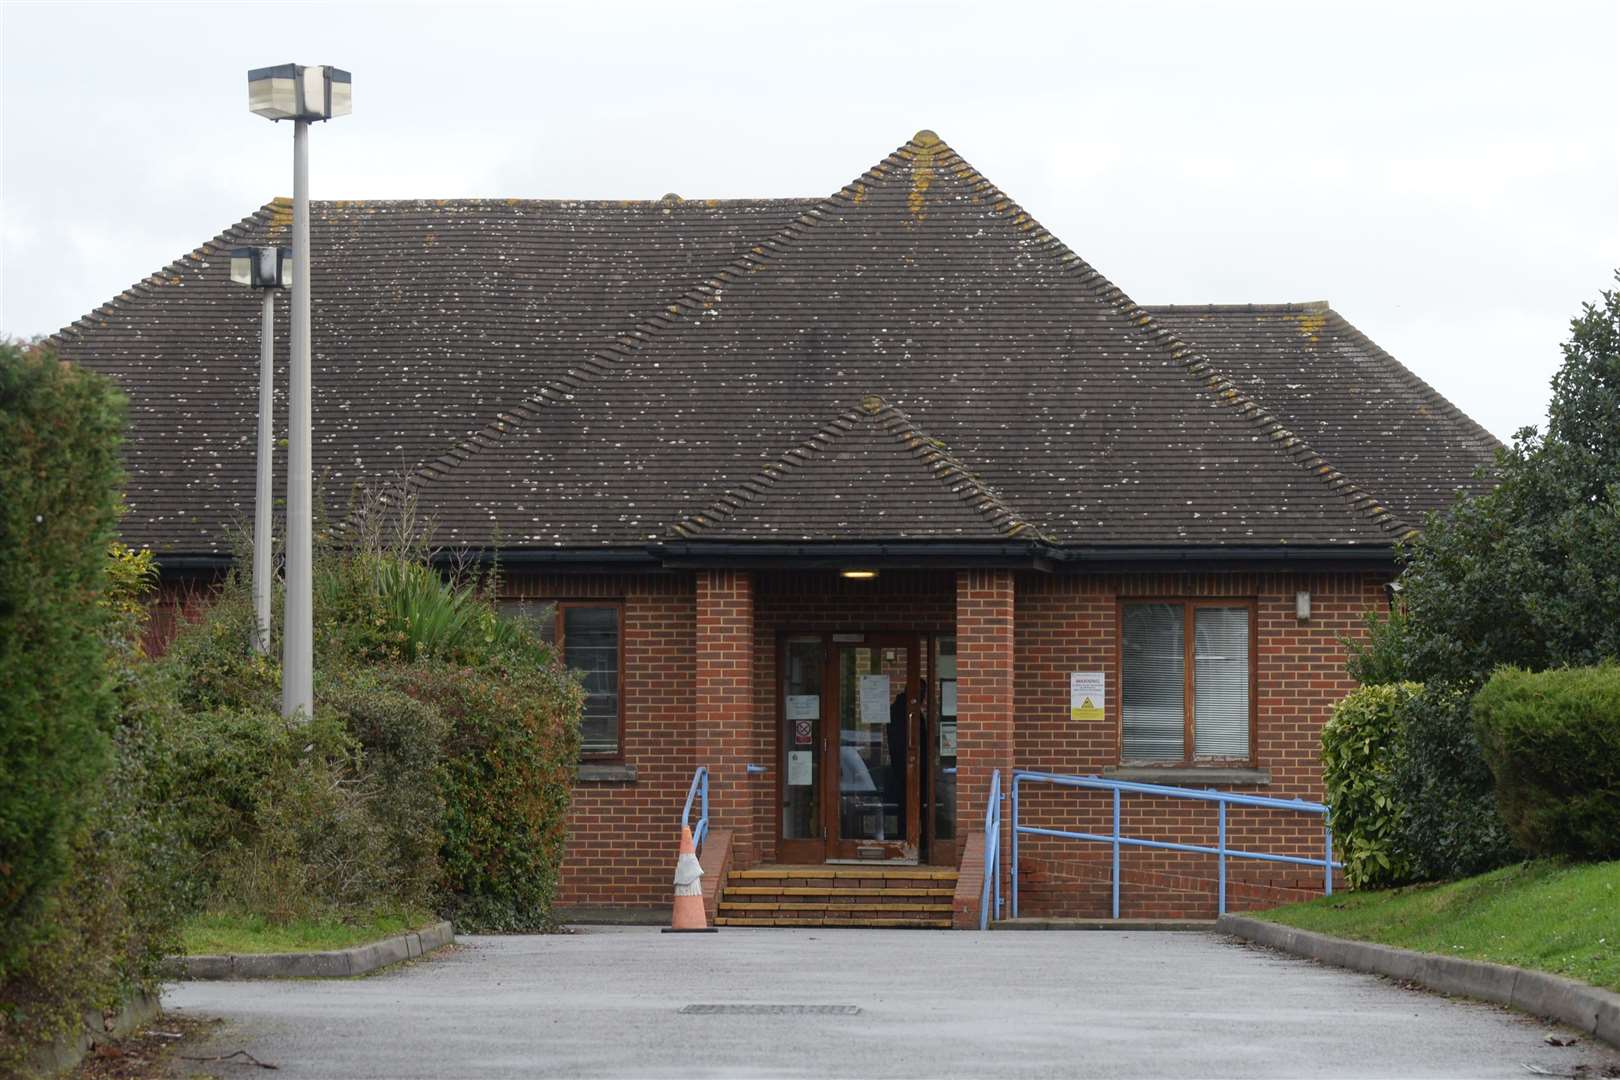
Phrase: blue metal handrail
[992,853]
[699,790]
[1222,799]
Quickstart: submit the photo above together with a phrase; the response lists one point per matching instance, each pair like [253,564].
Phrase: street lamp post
[300,94]
[266,269]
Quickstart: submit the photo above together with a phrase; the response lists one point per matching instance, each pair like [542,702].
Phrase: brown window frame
[1190,604]
[600,757]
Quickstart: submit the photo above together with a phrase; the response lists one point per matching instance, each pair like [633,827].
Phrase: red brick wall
[180,598]
[1068,624]
[725,701]
[622,836]
[985,702]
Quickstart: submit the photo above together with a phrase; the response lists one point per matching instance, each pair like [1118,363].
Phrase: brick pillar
[725,701]
[984,700]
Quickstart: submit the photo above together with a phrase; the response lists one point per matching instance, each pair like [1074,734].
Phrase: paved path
[605,1001]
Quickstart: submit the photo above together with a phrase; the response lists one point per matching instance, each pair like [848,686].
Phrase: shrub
[512,747]
[401,742]
[381,607]
[1361,743]
[213,660]
[1452,827]
[1552,740]
[59,476]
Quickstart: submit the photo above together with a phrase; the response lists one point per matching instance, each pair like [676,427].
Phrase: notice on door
[1086,690]
[874,699]
[800,771]
[803,706]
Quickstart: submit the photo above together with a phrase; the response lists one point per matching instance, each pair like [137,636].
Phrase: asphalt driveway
[608,1001]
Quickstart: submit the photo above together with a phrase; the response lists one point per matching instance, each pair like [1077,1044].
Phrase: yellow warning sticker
[1087,692]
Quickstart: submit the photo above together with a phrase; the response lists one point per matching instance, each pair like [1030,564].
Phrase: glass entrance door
[874,811]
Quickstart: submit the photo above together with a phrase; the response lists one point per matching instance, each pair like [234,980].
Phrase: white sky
[1447,175]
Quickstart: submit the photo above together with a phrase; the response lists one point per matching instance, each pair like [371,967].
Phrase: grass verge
[215,934]
[1547,915]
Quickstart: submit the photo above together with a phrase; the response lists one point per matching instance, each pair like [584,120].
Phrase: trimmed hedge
[60,429]
[1552,740]
[1360,745]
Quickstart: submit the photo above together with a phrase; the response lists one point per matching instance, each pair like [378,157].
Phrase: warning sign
[802,734]
[1087,691]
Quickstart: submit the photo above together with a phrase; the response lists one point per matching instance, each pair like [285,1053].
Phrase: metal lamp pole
[298,630]
[300,94]
[261,488]
[266,269]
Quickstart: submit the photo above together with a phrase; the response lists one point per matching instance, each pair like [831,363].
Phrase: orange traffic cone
[688,917]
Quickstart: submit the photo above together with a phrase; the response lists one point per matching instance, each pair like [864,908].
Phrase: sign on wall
[1086,694]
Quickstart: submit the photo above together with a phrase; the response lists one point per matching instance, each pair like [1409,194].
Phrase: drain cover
[774,1010]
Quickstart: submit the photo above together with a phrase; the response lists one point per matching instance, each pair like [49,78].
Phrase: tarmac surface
[607,1001]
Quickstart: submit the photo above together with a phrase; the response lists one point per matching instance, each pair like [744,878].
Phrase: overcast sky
[1448,176]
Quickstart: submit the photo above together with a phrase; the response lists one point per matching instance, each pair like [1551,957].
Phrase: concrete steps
[821,896]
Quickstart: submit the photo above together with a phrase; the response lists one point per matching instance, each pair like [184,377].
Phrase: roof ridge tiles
[168,274]
[1285,307]
[925,143]
[958,481]
[1414,381]
[626,343]
[1361,502]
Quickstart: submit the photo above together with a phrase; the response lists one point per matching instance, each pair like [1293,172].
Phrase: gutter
[937,555]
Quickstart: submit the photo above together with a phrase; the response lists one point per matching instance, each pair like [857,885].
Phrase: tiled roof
[1356,404]
[868,474]
[427,318]
[924,284]
[589,374]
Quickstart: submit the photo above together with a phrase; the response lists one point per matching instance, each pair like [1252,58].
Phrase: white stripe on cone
[687,873]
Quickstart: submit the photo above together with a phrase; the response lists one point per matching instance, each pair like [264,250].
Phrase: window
[1186,681]
[587,634]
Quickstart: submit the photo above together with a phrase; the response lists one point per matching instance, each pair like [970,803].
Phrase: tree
[1529,573]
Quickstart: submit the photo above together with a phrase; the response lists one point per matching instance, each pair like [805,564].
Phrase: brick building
[837,497]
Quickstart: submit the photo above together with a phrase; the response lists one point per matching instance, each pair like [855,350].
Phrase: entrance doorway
[867,748]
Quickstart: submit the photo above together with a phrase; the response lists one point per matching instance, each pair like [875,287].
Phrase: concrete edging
[134,1009]
[336,964]
[1588,1009]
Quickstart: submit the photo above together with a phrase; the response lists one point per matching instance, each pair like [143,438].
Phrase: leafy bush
[401,742]
[435,773]
[1360,745]
[59,477]
[509,765]
[384,605]
[1552,740]
[1452,828]
[1379,656]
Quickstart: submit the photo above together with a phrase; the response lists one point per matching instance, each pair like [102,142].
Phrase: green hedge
[1552,740]
[509,766]
[1452,828]
[436,771]
[59,482]
[1360,745]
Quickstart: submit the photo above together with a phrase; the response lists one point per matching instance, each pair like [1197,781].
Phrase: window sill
[591,772]
[1186,776]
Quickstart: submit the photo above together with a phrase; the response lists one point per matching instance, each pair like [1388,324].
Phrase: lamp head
[262,267]
[296,92]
